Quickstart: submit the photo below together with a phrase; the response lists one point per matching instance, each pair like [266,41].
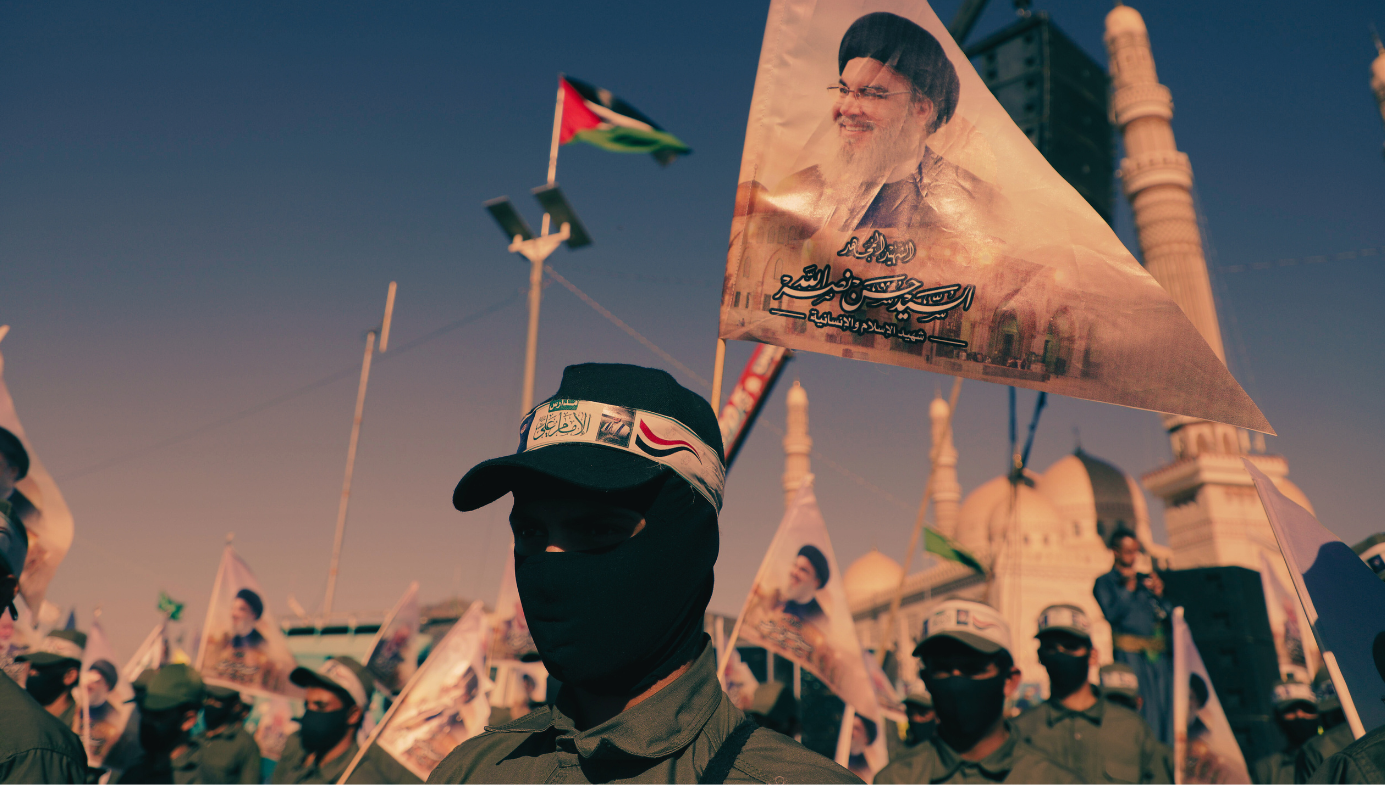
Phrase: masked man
[617,484]
[1296,713]
[167,714]
[229,754]
[54,671]
[34,745]
[336,697]
[1119,684]
[969,670]
[1101,740]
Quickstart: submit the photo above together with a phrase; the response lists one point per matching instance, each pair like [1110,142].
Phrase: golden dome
[871,574]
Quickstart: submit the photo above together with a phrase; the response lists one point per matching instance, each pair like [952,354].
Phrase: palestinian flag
[594,116]
[934,542]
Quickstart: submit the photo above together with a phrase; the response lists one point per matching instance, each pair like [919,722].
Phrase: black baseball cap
[605,464]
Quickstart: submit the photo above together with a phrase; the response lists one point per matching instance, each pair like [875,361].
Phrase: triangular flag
[1205,749]
[104,697]
[394,654]
[38,503]
[510,638]
[592,115]
[1342,598]
[797,609]
[1298,652]
[444,704]
[889,210]
[242,647]
[936,543]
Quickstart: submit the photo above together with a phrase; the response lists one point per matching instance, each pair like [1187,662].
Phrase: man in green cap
[228,753]
[617,487]
[969,671]
[1102,741]
[34,745]
[167,714]
[1120,684]
[1296,713]
[54,670]
[1336,731]
[336,697]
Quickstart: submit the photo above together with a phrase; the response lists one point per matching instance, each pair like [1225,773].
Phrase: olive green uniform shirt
[376,766]
[1014,761]
[182,769]
[1319,748]
[1104,743]
[34,746]
[229,755]
[669,737]
[1361,761]
[1274,769]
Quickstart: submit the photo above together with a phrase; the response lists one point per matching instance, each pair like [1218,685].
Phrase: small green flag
[169,606]
[942,546]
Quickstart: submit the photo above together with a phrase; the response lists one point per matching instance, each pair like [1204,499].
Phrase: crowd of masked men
[615,545]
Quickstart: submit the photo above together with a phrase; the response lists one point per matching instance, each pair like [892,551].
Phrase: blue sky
[201,206]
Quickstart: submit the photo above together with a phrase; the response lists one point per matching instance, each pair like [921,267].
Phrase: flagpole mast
[919,519]
[537,255]
[335,564]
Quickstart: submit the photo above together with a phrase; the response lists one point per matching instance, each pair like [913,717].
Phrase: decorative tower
[947,492]
[1211,509]
[797,443]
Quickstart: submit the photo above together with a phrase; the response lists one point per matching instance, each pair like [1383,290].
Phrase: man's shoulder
[917,764]
[487,749]
[770,756]
[1361,761]
[1031,764]
[1033,718]
[26,727]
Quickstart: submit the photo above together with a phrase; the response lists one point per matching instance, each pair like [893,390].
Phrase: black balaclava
[320,731]
[967,708]
[161,731]
[216,716]
[616,621]
[1297,730]
[1066,673]
[919,732]
[45,683]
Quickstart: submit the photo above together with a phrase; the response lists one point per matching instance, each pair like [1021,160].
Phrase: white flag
[242,646]
[889,210]
[394,655]
[104,697]
[797,609]
[1293,639]
[445,703]
[1205,749]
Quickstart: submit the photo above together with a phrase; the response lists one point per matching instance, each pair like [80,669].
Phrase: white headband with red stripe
[661,439]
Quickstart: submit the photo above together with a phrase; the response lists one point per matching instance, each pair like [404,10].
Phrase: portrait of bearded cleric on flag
[874,168]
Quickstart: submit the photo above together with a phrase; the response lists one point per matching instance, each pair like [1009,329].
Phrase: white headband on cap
[1063,616]
[344,677]
[61,647]
[1120,680]
[1294,691]
[661,439]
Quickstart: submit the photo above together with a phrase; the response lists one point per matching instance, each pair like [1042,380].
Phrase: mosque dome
[986,515]
[1093,496]
[1124,19]
[870,575]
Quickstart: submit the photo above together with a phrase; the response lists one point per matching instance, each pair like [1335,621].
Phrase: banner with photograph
[242,646]
[739,681]
[889,210]
[748,397]
[1342,598]
[797,609]
[1205,749]
[38,503]
[1298,652]
[394,655]
[446,701]
[510,638]
[104,697]
[271,722]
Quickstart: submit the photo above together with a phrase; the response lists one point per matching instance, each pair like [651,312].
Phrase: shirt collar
[662,724]
[1057,712]
[996,765]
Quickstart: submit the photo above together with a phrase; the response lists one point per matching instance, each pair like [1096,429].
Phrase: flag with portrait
[798,609]
[1205,749]
[889,210]
[394,654]
[104,697]
[242,646]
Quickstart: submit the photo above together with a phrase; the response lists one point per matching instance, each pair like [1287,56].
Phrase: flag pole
[345,503]
[718,372]
[843,755]
[537,255]
[922,513]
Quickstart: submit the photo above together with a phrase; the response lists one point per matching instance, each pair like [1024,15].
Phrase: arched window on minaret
[1202,445]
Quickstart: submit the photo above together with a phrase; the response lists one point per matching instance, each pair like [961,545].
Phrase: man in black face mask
[969,671]
[1101,740]
[54,671]
[229,754]
[34,745]
[1296,712]
[336,696]
[167,713]
[617,484]
[923,720]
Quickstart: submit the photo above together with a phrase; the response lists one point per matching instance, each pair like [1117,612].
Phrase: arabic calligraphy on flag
[889,210]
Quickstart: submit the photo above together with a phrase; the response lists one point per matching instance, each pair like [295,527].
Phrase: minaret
[1211,510]
[797,443]
[947,492]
